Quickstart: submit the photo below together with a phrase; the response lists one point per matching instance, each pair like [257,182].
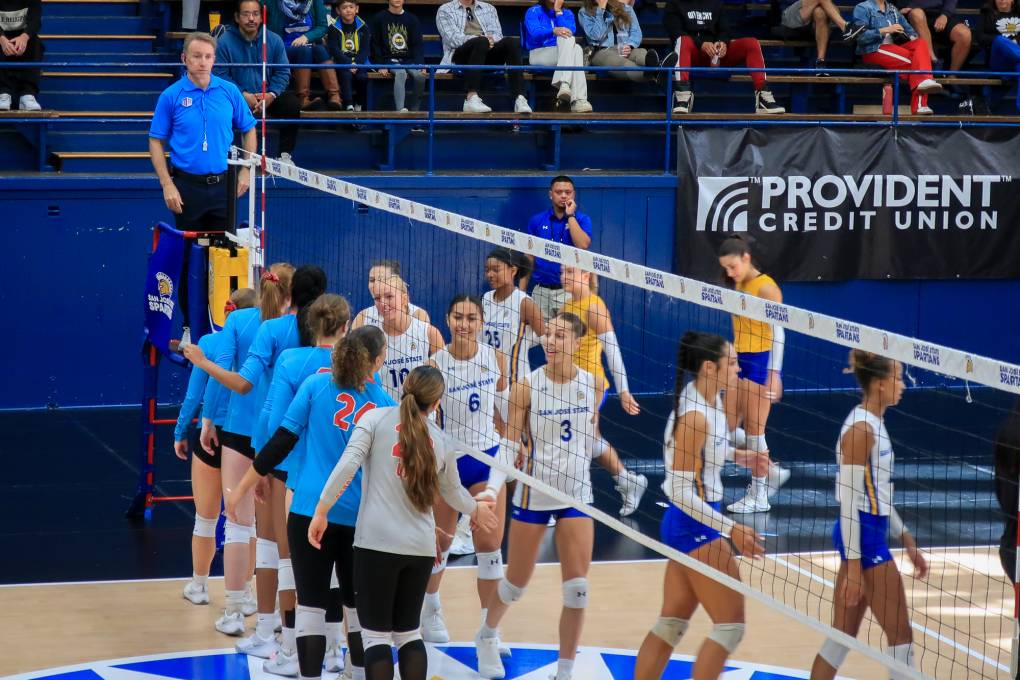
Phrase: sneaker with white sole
[231,624]
[195,593]
[256,645]
[28,103]
[751,502]
[564,95]
[631,487]
[580,106]
[474,104]
[249,605]
[777,477]
[924,111]
[683,102]
[334,660]
[282,664]
[433,628]
[463,542]
[5,102]
[928,86]
[765,102]
[521,105]
[489,664]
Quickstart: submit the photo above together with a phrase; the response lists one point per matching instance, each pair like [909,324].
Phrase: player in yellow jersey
[600,337]
[760,355]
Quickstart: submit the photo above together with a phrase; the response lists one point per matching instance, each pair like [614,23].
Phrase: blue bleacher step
[67,78]
[90,42]
[103,25]
[111,62]
[78,100]
[58,8]
[102,162]
[120,141]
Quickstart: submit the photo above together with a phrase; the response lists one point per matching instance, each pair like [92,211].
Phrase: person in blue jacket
[323,414]
[549,38]
[205,467]
[348,42]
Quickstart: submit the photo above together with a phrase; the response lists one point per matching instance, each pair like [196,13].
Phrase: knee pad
[508,592]
[309,621]
[833,653]
[757,443]
[236,533]
[374,638]
[205,527]
[351,616]
[334,582]
[442,563]
[670,630]
[267,555]
[490,566]
[285,576]
[599,446]
[575,593]
[727,635]
[401,639]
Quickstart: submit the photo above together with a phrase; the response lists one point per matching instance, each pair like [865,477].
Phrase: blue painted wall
[75,252]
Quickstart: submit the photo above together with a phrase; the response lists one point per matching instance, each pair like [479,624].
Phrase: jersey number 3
[342,418]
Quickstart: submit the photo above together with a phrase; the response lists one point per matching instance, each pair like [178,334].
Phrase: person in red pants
[701,36]
[890,42]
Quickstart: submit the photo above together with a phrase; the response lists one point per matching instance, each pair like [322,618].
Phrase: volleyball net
[943,431]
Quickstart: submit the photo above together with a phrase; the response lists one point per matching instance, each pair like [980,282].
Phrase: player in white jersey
[377,273]
[696,449]
[868,576]
[555,406]
[510,313]
[409,341]
[475,381]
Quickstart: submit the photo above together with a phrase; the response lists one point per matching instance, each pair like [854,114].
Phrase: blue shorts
[681,531]
[472,471]
[874,546]
[542,516]
[754,366]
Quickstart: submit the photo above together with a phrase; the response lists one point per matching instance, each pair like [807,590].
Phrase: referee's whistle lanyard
[205,134]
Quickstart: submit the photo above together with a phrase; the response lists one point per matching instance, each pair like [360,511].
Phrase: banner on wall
[162,282]
[823,204]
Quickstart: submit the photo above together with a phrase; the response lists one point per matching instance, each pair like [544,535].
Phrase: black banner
[870,203]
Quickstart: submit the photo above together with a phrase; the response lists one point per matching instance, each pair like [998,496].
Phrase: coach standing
[197,115]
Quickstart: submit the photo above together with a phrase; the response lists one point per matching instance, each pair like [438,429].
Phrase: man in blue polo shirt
[562,223]
[197,115]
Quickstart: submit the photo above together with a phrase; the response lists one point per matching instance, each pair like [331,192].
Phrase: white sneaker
[282,664]
[580,106]
[231,624]
[334,660]
[5,102]
[564,94]
[474,104]
[928,86]
[256,645]
[777,477]
[286,158]
[249,605]
[433,628]
[463,543]
[504,650]
[521,105]
[489,664]
[193,593]
[631,487]
[924,111]
[752,502]
[683,101]
[28,103]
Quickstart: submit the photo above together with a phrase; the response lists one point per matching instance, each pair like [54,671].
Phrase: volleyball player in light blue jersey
[205,467]
[323,414]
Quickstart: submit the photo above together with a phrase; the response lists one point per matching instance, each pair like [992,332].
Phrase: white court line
[913,624]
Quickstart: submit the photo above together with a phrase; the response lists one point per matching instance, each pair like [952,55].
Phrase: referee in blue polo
[197,115]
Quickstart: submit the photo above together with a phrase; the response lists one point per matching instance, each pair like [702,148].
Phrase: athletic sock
[432,602]
[200,580]
[264,625]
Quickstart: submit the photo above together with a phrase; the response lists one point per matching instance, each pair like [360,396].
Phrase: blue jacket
[873,18]
[348,44]
[599,28]
[539,24]
[233,48]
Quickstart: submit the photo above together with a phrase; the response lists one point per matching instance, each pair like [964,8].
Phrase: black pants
[351,83]
[477,51]
[21,81]
[286,106]
[390,589]
[312,567]
[205,205]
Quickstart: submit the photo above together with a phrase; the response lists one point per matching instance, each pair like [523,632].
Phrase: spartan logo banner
[854,203]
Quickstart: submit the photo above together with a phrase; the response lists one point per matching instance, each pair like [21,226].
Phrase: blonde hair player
[409,340]
[555,406]
[760,356]
[600,337]
[377,273]
[868,576]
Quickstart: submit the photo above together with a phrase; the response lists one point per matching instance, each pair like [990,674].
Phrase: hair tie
[229,306]
[270,276]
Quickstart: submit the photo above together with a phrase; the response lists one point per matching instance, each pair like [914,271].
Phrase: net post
[1014,651]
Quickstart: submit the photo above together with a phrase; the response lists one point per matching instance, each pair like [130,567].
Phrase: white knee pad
[373,638]
[236,533]
[205,527]
[267,555]
[309,621]
[401,639]
[598,447]
[334,582]
[575,593]
[351,617]
[508,592]
[670,630]
[490,566]
[757,443]
[442,563]
[285,575]
[833,653]
[727,635]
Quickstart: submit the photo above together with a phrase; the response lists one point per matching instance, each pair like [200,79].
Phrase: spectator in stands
[612,29]
[889,41]
[472,34]
[20,21]
[397,39]
[302,24]
[803,13]
[348,43]
[242,44]
[1007,471]
[938,26]
[998,32]
[549,38]
[701,35]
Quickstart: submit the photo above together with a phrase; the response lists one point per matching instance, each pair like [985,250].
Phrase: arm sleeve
[334,38]
[584,221]
[538,26]
[902,21]
[722,25]
[636,35]
[280,77]
[949,7]
[350,462]
[851,484]
[214,392]
[778,348]
[673,21]
[496,29]
[452,34]
[870,33]
[450,488]
[566,20]
[34,19]
[221,68]
[278,400]
[162,117]
[418,48]
[683,495]
[192,398]
[594,27]
[275,451]
[243,118]
[611,347]
[319,23]
[375,41]
[259,355]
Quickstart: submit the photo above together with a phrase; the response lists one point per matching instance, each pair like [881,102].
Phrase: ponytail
[354,356]
[275,289]
[695,349]
[308,283]
[424,386]
[327,316]
[867,366]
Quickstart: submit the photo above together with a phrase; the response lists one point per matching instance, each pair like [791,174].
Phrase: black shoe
[965,107]
[670,61]
[820,68]
[852,31]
